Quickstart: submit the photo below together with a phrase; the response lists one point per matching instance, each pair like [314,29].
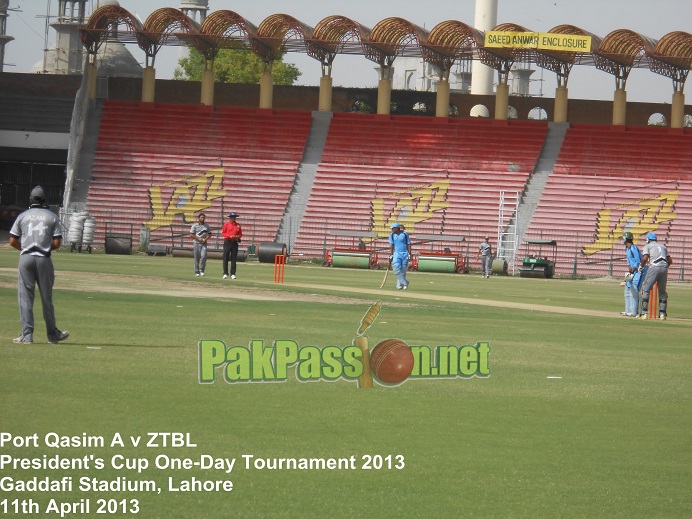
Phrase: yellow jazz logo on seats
[643,215]
[410,206]
[187,196]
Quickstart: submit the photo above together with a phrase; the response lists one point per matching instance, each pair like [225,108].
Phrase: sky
[652,18]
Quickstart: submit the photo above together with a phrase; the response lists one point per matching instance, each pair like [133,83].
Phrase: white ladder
[507,235]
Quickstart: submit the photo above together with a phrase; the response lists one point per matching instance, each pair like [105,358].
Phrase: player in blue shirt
[634,279]
[400,254]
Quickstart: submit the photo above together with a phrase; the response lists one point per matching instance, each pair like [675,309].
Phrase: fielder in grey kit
[656,256]
[36,232]
[200,232]
[485,251]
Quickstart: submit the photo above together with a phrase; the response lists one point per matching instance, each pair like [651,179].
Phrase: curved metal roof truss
[561,62]
[448,41]
[104,24]
[275,31]
[331,36]
[390,38]
[451,40]
[620,51]
[672,57]
[221,29]
[159,26]
[503,59]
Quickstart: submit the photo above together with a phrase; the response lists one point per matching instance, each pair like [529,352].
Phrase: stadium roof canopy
[451,40]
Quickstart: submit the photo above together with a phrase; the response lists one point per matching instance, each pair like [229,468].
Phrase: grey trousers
[199,252]
[36,270]
[486,265]
[655,275]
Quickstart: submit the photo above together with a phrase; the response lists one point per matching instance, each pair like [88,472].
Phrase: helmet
[627,236]
[651,237]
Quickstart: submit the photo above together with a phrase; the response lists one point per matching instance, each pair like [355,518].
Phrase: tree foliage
[235,66]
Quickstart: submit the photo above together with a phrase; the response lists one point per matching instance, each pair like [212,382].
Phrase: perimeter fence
[575,255]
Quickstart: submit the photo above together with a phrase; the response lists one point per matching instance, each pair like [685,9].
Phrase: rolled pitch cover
[436,263]
[499,266]
[177,252]
[118,244]
[268,249]
[347,259]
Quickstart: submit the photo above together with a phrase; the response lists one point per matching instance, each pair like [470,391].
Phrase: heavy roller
[357,255]
[440,261]
[535,264]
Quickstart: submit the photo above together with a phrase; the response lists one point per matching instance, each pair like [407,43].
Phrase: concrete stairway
[305,176]
[538,179]
[84,160]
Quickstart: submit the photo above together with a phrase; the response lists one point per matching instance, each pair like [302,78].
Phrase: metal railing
[312,241]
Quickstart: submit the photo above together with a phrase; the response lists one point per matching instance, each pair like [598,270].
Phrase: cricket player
[400,243]
[232,233]
[656,256]
[485,251]
[633,280]
[200,233]
[35,233]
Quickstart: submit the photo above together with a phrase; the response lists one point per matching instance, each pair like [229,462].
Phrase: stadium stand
[437,176]
[626,151]
[26,113]
[162,159]
[611,179]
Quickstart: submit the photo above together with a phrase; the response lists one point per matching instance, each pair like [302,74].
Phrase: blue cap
[395,225]
[651,236]
[233,215]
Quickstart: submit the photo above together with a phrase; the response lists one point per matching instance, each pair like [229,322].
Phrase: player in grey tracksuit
[485,251]
[200,233]
[656,256]
[35,233]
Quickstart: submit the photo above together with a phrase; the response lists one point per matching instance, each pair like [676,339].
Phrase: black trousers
[230,250]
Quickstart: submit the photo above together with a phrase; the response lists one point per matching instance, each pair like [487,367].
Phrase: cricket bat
[385,277]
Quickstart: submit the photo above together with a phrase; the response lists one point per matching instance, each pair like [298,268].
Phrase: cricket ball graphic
[391,361]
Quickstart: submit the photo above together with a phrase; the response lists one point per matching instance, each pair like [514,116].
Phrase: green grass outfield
[609,438]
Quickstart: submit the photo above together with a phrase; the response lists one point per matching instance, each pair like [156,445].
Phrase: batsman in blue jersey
[400,254]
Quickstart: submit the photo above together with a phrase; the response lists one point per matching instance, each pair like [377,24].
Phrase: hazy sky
[652,18]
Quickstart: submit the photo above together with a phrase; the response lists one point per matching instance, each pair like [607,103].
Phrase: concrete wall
[307,98]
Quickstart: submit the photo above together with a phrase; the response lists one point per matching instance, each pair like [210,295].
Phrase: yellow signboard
[537,40]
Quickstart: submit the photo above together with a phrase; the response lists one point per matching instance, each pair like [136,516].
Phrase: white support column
[485,20]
